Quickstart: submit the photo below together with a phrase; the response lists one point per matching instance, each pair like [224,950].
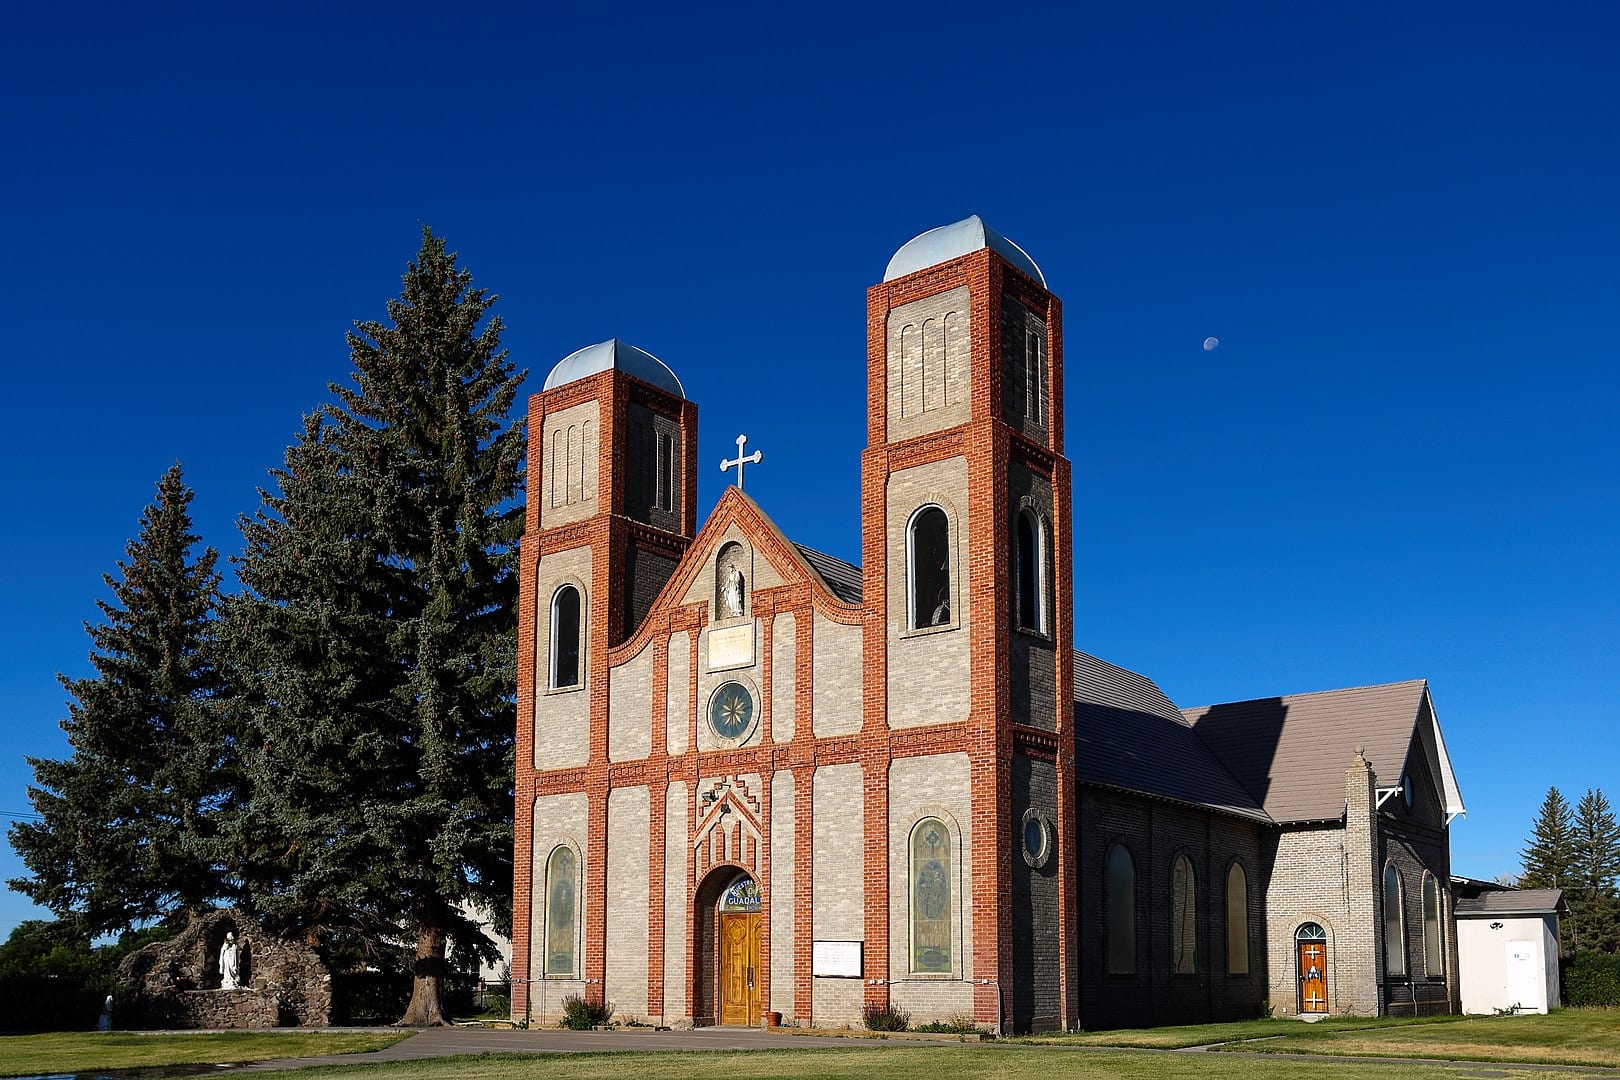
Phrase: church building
[758,784]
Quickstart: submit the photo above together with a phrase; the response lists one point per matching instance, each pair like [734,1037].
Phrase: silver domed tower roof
[952,242]
[614,353]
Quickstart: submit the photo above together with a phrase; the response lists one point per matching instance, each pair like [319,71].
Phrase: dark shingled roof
[1291,752]
[1511,902]
[844,579]
[1130,736]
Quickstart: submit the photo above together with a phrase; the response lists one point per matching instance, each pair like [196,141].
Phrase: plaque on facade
[731,646]
[836,959]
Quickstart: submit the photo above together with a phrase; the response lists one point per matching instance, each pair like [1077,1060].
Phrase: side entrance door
[739,968]
[1313,976]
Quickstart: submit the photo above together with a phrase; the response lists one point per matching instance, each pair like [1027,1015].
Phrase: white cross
[1313,951]
[1313,1001]
[751,459]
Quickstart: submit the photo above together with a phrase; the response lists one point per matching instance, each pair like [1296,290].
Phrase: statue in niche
[230,963]
[732,600]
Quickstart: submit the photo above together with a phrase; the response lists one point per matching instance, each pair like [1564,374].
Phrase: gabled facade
[759,784]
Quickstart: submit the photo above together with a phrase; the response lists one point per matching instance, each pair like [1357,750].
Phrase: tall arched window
[1030,545]
[1121,888]
[931,905]
[1434,956]
[928,552]
[562,907]
[565,637]
[1394,923]
[1183,917]
[1237,921]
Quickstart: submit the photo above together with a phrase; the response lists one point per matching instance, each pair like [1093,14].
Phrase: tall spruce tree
[1594,901]
[128,829]
[1549,857]
[375,645]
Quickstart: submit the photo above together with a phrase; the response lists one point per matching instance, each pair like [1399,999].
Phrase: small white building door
[1524,976]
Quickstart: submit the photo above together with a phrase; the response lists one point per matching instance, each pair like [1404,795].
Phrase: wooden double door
[739,968]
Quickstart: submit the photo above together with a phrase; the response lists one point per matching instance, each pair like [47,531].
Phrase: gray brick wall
[649,496]
[1037,976]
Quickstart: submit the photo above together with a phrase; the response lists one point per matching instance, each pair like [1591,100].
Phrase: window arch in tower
[1121,892]
[928,559]
[567,624]
[931,896]
[1029,543]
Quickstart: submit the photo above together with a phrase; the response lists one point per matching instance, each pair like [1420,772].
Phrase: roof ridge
[1306,693]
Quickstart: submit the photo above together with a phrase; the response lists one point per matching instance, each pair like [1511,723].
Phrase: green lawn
[979,1062]
[1175,1038]
[75,1051]
[1566,1037]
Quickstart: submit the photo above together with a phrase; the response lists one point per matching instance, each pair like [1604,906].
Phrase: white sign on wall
[836,959]
[731,646]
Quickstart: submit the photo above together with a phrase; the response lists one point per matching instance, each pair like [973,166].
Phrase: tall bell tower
[967,581]
[611,508]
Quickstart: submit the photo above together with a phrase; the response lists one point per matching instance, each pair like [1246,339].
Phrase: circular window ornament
[1036,845]
[731,712]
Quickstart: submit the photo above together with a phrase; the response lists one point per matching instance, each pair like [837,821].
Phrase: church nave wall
[630,708]
[839,687]
[783,898]
[678,694]
[677,873]
[784,657]
[839,893]
[626,894]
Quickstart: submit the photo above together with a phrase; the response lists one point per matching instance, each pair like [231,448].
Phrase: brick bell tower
[612,507]
[967,569]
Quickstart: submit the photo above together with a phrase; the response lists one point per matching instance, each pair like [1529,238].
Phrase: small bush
[581,1015]
[1592,981]
[960,1024]
[885,1018]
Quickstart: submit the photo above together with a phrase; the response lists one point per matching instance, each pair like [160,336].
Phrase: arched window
[1030,551]
[1394,923]
[565,637]
[1183,917]
[928,551]
[562,907]
[1237,921]
[1121,888]
[931,905]
[1434,956]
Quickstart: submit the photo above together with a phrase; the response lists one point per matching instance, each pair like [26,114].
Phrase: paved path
[447,1042]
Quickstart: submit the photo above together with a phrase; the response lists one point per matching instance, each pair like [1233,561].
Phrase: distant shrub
[960,1024]
[885,1018]
[1592,981]
[581,1015]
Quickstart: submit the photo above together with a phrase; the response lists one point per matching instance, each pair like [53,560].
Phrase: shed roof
[1130,736]
[1511,902]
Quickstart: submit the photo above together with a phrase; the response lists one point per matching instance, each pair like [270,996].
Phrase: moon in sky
[1210,343]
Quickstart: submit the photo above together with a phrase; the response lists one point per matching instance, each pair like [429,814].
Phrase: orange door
[1313,977]
[739,968]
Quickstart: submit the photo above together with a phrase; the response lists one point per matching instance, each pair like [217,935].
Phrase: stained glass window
[1434,961]
[931,896]
[562,896]
[1183,917]
[741,895]
[1121,875]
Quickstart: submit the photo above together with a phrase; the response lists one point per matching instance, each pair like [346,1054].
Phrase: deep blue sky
[1399,220]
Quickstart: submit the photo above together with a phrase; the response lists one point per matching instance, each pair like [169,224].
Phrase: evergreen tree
[1549,858]
[1594,903]
[375,648]
[127,829]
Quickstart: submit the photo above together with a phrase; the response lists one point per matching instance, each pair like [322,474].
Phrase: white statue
[105,1022]
[230,963]
[731,597]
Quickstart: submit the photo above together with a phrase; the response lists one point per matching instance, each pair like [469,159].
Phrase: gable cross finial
[749,459]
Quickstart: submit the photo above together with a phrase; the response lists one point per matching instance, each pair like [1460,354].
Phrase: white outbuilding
[1507,947]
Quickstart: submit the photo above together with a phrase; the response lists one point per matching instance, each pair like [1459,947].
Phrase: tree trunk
[427,981]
